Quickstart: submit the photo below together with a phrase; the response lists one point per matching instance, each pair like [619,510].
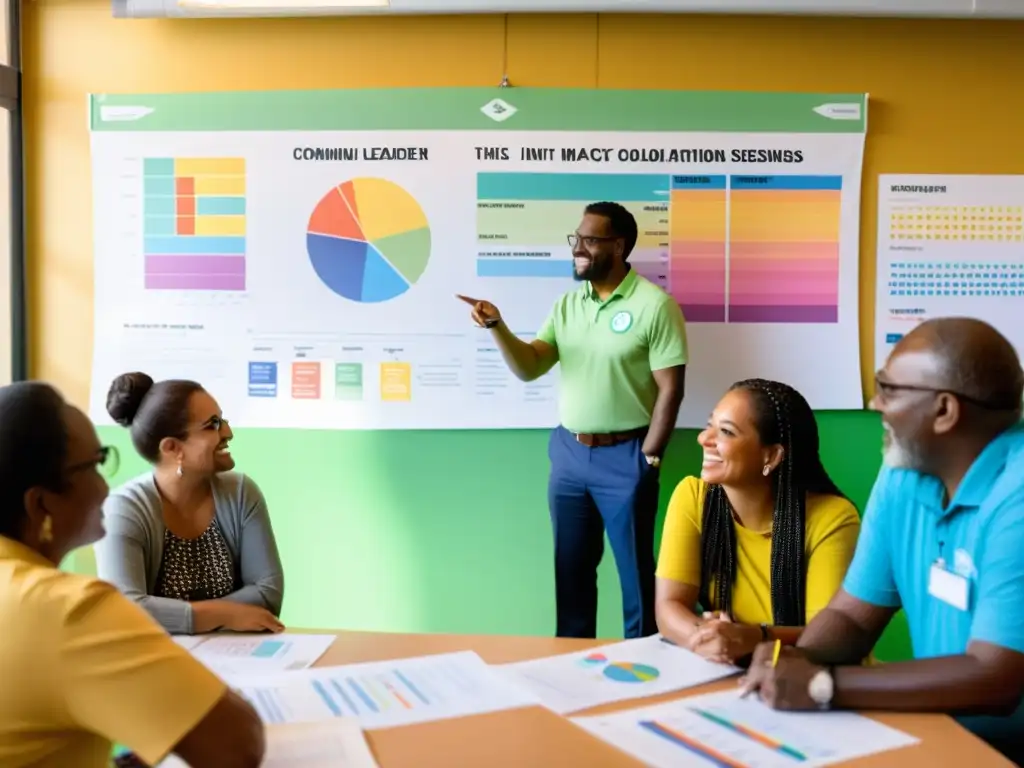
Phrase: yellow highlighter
[776,652]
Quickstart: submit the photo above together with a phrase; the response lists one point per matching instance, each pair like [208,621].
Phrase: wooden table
[534,737]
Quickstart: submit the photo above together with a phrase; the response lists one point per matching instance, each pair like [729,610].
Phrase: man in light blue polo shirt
[942,537]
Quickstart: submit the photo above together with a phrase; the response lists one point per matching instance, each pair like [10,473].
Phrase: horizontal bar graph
[728,248]
[574,187]
[523,220]
[194,231]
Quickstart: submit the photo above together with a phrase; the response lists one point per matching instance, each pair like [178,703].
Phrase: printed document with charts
[383,694]
[726,729]
[239,653]
[631,669]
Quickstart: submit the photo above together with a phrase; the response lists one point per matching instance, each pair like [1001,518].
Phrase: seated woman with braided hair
[762,540]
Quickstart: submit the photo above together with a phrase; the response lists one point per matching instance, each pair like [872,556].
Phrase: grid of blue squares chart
[955,278]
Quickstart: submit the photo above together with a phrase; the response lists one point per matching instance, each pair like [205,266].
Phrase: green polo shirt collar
[622,290]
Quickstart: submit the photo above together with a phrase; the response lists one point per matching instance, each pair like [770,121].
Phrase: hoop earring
[46,530]
[767,470]
[179,473]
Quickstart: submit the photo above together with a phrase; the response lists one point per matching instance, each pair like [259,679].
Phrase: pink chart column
[697,266]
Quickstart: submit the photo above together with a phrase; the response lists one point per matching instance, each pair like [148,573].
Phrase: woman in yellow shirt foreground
[763,539]
[81,665]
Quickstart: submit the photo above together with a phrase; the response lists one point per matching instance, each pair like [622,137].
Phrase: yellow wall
[945,97]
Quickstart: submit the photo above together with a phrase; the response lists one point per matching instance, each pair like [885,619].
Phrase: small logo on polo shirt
[621,322]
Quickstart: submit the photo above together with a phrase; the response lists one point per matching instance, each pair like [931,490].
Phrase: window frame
[13,272]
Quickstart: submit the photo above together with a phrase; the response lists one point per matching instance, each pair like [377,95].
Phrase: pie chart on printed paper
[368,240]
[627,672]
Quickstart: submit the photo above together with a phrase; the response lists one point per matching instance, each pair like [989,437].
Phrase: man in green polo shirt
[621,343]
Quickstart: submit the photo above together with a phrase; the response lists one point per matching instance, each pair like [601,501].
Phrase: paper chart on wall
[383,694]
[949,245]
[298,252]
[628,670]
[722,729]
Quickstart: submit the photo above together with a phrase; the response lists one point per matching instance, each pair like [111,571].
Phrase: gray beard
[899,456]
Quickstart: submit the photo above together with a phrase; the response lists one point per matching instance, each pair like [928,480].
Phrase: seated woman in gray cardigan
[191,541]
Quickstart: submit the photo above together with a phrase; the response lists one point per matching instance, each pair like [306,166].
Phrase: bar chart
[383,694]
[725,730]
[698,223]
[729,248]
[194,230]
[784,249]
[523,220]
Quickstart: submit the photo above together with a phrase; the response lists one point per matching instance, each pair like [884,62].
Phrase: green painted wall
[449,531]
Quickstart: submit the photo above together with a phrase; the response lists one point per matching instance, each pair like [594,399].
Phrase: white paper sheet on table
[232,653]
[628,670]
[702,730]
[383,694]
[337,743]
[188,642]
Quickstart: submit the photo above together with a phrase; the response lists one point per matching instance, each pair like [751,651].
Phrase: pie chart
[368,240]
[627,672]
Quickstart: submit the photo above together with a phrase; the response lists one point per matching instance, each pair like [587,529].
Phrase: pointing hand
[484,314]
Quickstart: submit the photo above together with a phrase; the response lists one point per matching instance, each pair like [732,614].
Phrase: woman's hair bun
[125,396]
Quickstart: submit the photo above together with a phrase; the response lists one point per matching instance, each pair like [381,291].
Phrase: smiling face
[596,248]
[205,449]
[734,454]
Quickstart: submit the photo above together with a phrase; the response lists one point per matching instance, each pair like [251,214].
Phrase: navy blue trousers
[592,491]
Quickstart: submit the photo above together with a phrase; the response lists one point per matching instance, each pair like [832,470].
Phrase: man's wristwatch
[654,461]
[822,688]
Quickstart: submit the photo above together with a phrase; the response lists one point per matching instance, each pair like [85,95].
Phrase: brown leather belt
[609,438]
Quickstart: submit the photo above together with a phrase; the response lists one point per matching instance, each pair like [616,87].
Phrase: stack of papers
[338,743]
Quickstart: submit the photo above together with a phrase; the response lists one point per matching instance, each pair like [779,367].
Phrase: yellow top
[83,667]
[832,527]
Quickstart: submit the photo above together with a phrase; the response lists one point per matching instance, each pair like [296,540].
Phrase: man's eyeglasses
[888,388]
[106,461]
[589,241]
